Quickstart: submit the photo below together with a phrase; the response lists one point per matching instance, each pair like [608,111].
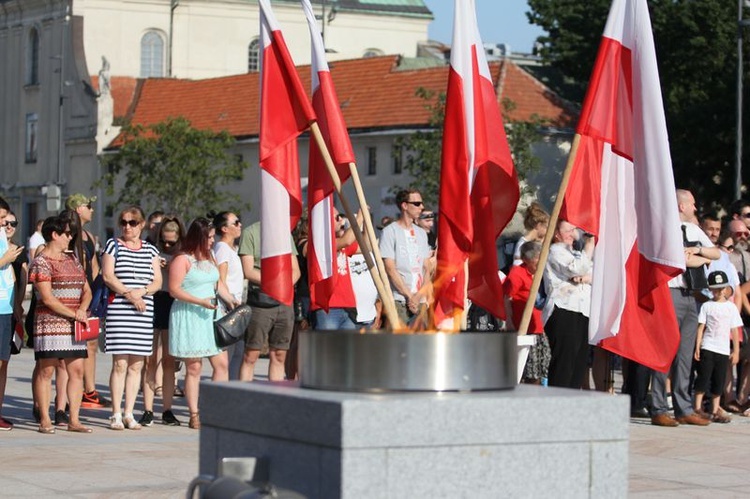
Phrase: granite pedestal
[527,442]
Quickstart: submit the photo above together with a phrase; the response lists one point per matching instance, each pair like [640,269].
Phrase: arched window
[32,58]
[253,56]
[372,53]
[152,55]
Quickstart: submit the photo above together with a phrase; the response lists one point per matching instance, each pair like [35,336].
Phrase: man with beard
[737,402]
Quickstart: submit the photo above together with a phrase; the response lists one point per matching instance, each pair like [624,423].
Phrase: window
[372,53]
[152,55]
[31,137]
[32,58]
[253,56]
[372,160]
[398,159]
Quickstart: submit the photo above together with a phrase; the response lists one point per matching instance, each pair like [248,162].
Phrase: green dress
[191,327]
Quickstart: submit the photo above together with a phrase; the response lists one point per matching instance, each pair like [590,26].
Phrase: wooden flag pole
[388,305]
[524,326]
[370,231]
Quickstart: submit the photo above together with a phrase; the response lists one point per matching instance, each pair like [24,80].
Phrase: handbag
[16,339]
[230,329]
[88,330]
[257,298]
[695,277]
[101,297]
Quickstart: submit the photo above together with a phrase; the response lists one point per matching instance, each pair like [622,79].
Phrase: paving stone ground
[160,461]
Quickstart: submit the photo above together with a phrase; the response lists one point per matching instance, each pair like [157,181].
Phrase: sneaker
[92,400]
[168,419]
[5,425]
[61,419]
[147,419]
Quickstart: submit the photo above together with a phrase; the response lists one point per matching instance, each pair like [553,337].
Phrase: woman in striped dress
[132,271]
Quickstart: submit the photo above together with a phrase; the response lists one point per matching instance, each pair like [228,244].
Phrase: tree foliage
[174,167]
[422,150]
[696,47]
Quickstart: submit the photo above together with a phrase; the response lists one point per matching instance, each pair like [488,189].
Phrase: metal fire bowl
[378,362]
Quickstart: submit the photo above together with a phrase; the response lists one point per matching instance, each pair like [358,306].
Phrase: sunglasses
[65,233]
[340,217]
[236,223]
[745,215]
[88,205]
[741,234]
[11,223]
[416,203]
[132,223]
[728,248]
[168,244]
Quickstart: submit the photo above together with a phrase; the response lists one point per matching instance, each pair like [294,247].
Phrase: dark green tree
[422,150]
[174,167]
[696,50]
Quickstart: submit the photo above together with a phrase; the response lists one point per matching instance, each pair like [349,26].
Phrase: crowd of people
[158,286]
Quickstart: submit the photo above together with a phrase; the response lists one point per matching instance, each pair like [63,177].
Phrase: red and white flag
[321,259]
[622,191]
[285,112]
[478,183]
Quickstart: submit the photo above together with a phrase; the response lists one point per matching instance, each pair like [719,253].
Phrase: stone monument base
[527,442]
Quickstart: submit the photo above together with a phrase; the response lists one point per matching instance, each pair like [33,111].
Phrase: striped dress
[130,332]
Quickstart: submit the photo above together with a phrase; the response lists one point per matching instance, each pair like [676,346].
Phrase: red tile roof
[373,94]
[123,92]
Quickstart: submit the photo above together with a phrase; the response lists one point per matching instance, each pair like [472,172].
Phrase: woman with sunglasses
[194,283]
[132,270]
[20,268]
[63,296]
[229,228]
[168,238]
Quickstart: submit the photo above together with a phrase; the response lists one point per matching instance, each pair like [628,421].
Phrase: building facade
[48,112]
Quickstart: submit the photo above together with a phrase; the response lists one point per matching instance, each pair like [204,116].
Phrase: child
[715,321]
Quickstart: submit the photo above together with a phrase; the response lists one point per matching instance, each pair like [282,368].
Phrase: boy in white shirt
[717,320]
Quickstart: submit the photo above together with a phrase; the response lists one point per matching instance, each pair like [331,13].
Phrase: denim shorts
[6,333]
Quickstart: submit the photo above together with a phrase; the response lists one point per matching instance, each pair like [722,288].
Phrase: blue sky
[500,21]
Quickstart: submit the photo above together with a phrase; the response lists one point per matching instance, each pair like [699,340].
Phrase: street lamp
[742,23]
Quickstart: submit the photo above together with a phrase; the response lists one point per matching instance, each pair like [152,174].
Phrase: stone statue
[104,83]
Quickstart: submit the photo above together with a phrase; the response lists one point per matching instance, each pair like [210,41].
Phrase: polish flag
[622,191]
[478,183]
[285,112]
[321,246]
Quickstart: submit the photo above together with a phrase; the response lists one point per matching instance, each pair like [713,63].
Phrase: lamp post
[173,4]
[742,23]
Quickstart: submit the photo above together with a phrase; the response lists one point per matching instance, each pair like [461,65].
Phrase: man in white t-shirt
[405,251]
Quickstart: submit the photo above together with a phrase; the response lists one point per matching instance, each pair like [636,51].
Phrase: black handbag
[695,277]
[231,328]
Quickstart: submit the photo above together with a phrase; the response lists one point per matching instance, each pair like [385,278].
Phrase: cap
[717,279]
[76,200]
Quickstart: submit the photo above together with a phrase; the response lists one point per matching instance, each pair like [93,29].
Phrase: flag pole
[389,305]
[529,308]
[370,231]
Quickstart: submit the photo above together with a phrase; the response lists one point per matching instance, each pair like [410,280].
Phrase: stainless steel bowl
[376,362]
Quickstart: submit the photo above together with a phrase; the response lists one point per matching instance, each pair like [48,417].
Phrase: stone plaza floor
[160,461]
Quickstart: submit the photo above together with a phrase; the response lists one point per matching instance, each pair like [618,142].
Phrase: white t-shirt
[7,278]
[235,277]
[720,318]
[365,292]
[35,241]
[694,233]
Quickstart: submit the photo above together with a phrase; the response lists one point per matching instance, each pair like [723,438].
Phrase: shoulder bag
[231,328]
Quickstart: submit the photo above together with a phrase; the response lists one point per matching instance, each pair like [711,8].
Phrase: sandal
[195,421]
[47,430]
[115,422]
[79,429]
[130,422]
[718,417]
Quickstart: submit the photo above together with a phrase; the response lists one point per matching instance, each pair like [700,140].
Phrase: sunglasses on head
[132,223]
[11,223]
[416,203]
